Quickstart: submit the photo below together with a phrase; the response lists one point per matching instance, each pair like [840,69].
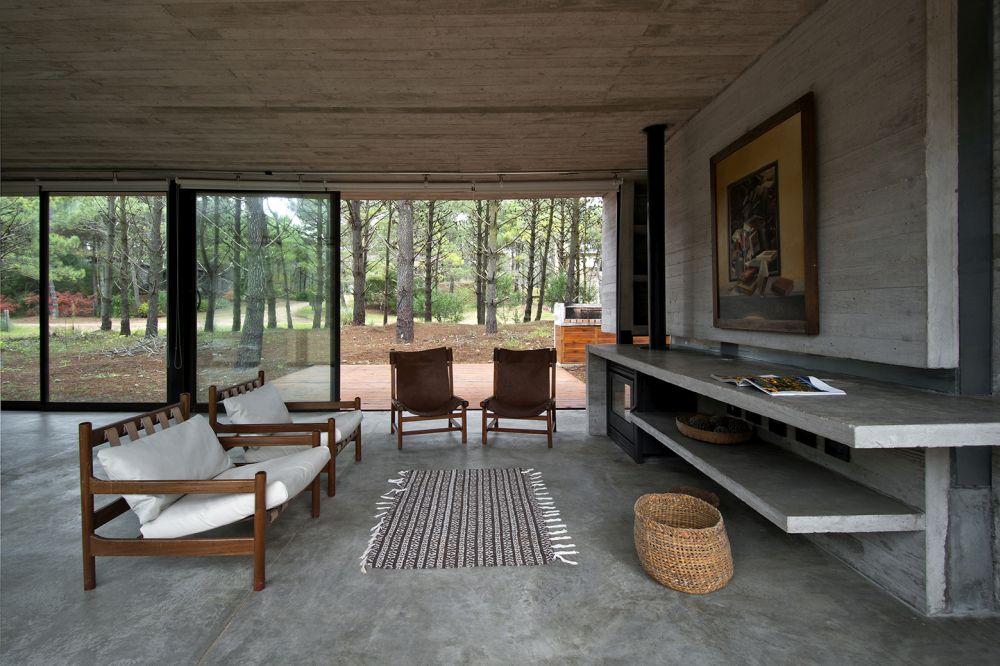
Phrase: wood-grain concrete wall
[867,64]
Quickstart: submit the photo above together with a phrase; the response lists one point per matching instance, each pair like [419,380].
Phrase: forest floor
[91,366]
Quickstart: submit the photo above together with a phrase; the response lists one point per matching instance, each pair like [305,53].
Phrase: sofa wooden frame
[135,427]
[549,416]
[396,409]
[217,395]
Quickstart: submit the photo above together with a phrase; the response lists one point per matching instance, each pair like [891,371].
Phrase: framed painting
[764,226]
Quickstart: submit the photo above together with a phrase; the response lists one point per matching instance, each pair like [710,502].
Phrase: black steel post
[44,306]
[656,231]
[333,299]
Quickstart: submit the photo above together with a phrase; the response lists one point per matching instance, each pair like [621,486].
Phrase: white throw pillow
[261,405]
[183,452]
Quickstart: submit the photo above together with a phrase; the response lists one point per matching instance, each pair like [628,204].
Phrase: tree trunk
[429,264]
[272,298]
[320,270]
[284,278]
[107,279]
[545,262]
[492,211]
[359,262]
[134,283]
[155,267]
[574,253]
[404,273]
[123,275]
[237,266]
[211,265]
[532,238]
[479,268]
[252,338]
[385,286]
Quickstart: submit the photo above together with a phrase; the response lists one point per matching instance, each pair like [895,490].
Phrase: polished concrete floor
[789,603]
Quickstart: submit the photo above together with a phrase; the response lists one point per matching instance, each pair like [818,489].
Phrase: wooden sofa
[154,423]
[328,426]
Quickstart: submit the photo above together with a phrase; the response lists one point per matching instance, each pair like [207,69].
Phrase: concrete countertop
[872,415]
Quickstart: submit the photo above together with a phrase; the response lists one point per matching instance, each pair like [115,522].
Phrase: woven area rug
[443,519]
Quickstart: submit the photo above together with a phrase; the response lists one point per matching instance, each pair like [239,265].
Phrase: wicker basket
[682,542]
[710,436]
[700,493]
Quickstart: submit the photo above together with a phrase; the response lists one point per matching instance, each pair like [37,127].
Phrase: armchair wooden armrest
[173,487]
[327,406]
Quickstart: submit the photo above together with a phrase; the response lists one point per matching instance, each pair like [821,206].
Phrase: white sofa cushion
[286,477]
[346,424]
[261,405]
[183,452]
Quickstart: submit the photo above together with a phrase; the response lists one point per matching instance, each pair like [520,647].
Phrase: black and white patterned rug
[443,519]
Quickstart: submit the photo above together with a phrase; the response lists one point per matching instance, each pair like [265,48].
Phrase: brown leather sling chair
[524,388]
[423,384]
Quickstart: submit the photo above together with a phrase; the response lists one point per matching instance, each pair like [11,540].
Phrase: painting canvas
[764,235]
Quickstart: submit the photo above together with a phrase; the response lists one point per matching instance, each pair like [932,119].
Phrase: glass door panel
[263,274]
[19,299]
[107,297]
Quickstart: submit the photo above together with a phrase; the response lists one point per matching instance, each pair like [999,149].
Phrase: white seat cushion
[187,451]
[261,405]
[286,477]
[346,425]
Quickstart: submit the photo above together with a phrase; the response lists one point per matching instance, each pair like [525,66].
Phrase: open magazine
[775,385]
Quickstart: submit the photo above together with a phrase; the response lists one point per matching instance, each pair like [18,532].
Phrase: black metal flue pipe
[656,243]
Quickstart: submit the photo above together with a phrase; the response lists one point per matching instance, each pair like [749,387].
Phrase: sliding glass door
[107,295]
[264,275]
[20,332]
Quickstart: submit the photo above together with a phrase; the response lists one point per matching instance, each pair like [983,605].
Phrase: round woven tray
[682,542]
[700,493]
[711,436]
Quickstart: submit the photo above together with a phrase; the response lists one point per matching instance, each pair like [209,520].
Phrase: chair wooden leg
[399,431]
[484,426]
[392,419]
[314,492]
[87,515]
[357,445]
[465,429]
[549,427]
[259,528]
[331,473]
[554,420]
[89,567]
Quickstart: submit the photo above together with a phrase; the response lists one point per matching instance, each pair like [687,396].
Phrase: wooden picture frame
[763,190]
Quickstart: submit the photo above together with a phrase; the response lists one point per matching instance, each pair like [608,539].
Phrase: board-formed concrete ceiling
[358,86]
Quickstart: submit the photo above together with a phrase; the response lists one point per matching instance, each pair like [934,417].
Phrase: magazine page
[791,386]
[731,379]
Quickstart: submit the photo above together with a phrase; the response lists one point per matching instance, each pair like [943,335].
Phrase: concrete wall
[867,64]
[609,264]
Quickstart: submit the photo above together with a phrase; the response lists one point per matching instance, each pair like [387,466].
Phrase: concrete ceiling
[354,86]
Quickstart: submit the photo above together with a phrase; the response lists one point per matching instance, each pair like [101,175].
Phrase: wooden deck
[473,381]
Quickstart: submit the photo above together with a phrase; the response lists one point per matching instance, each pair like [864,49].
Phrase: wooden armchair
[524,388]
[423,384]
[204,503]
[335,437]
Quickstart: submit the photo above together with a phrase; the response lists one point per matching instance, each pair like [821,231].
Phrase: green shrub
[448,307]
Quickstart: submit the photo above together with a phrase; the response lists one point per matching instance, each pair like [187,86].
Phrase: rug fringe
[551,518]
[383,508]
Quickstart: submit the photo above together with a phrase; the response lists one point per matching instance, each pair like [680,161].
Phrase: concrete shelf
[796,495]
[873,415]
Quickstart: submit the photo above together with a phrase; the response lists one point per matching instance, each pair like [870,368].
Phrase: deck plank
[473,381]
